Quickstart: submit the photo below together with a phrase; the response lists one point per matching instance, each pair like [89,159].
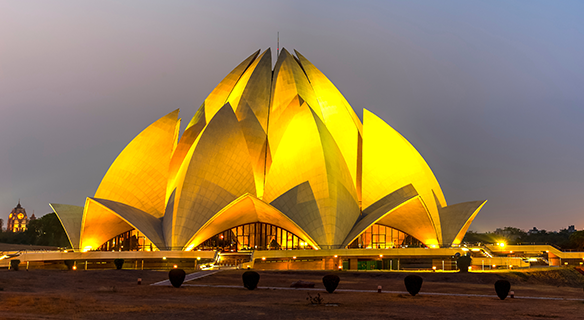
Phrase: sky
[491,93]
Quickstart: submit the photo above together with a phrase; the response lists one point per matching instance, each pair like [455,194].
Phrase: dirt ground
[108,294]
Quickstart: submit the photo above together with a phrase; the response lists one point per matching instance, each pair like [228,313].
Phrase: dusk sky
[490,93]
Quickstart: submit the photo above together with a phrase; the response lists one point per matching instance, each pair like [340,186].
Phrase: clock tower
[17,219]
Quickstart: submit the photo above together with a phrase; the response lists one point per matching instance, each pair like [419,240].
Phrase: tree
[45,231]
[577,239]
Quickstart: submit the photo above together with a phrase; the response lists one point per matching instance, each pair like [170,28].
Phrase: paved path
[394,292]
[188,277]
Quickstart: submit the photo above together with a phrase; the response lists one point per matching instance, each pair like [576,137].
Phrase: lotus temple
[274,166]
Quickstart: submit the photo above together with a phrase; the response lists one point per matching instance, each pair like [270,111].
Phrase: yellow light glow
[381,256]
[88,248]
[294,257]
[502,244]
[227,153]
[475,249]
[464,249]
[434,267]
[175,266]
[74,267]
[264,258]
[198,258]
[163,258]
[494,265]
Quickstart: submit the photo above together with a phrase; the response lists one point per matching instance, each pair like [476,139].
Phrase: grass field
[115,294]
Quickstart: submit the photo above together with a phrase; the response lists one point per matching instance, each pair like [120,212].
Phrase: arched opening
[254,236]
[131,240]
[380,236]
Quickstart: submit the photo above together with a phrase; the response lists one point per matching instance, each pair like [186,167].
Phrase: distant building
[18,220]
[532,231]
[571,229]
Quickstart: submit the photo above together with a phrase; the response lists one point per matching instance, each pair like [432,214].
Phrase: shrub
[413,284]
[331,281]
[69,264]
[176,277]
[502,288]
[119,263]
[316,299]
[250,279]
[464,262]
[14,264]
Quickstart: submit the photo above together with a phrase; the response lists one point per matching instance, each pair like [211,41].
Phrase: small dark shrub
[502,288]
[464,262]
[413,284]
[331,281]
[316,299]
[69,264]
[250,279]
[177,277]
[119,263]
[14,264]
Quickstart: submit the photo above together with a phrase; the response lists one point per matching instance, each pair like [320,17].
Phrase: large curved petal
[99,225]
[105,219]
[300,205]
[288,81]
[339,117]
[139,175]
[308,152]
[378,210]
[412,218]
[70,217]
[191,133]
[253,89]
[391,162]
[455,220]
[216,171]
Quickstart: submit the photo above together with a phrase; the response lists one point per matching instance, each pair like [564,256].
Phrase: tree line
[44,231]
[564,238]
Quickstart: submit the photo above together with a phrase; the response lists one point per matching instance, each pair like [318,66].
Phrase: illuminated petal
[70,217]
[253,89]
[139,175]
[289,81]
[145,223]
[99,225]
[300,205]
[380,209]
[339,117]
[391,162]
[195,128]
[308,152]
[218,97]
[216,171]
[412,218]
[455,220]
